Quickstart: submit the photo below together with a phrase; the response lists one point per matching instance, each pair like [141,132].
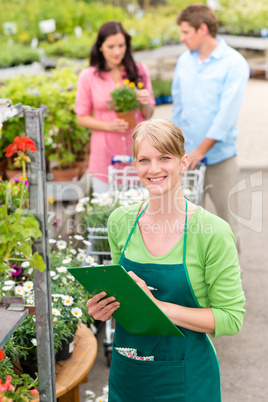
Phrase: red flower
[34,391]
[20,144]
[2,354]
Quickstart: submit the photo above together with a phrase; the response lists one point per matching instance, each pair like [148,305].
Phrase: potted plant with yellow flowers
[124,101]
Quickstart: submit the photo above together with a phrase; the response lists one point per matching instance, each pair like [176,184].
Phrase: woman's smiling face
[159,172]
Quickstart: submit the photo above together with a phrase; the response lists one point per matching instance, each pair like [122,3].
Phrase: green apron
[185,369]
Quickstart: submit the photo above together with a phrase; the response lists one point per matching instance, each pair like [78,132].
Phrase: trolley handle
[203,161]
[121,159]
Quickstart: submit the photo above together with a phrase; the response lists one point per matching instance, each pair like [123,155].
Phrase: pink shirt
[92,95]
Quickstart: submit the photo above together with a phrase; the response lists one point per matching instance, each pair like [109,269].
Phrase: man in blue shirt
[209,82]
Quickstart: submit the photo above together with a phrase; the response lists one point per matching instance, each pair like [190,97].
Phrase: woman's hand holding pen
[102,309]
[144,287]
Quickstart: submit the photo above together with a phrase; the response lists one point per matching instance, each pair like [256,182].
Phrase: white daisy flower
[80,257]
[58,295]
[25,264]
[52,273]
[78,237]
[55,277]
[81,250]
[30,270]
[84,200]
[55,319]
[76,312]
[79,208]
[62,270]
[87,243]
[55,311]
[64,281]
[89,259]
[68,300]
[61,244]
[19,290]
[52,241]
[28,285]
[34,341]
[67,260]
[105,390]
[9,283]
[6,288]
[73,251]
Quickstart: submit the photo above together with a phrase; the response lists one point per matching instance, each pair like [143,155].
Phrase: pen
[151,288]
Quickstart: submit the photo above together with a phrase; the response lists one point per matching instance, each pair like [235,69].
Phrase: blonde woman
[188,256]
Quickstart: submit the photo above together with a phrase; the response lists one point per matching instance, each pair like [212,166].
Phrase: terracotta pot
[11,174]
[82,167]
[70,174]
[129,117]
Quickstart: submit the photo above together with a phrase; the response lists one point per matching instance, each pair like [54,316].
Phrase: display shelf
[7,110]
[10,320]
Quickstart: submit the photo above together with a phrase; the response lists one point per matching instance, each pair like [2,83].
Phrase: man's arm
[230,101]
[199,154]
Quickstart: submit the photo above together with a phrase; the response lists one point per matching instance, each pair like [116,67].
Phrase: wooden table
[73,372]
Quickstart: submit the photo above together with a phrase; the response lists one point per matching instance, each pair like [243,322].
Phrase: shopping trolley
[123,179]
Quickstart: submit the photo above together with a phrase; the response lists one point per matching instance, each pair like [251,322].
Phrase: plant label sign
[10,28]
[47,26]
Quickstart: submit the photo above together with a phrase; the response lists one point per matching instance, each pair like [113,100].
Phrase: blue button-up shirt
[207,97]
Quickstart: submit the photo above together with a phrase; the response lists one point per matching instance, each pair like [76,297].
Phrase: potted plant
[124,101]
[68,302]
[17,226]
[13,387]
[94,214]
[54,93]
[162,91]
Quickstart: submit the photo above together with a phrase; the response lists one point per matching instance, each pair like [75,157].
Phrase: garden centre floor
[243,358]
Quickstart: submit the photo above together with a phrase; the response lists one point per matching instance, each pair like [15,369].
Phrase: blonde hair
[162,134]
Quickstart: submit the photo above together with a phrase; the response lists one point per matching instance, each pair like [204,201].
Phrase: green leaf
[26,249]
[37,262]
[3,267]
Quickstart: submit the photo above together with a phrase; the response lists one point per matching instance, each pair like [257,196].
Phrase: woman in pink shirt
[111,62]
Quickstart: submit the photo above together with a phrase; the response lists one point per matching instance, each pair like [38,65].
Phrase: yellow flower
[140,85]
[131,85]
[51,200]
[126,82]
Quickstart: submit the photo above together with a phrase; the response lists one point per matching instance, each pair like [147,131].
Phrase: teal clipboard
[137,313]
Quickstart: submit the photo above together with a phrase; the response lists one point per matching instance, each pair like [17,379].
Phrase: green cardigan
[211,260]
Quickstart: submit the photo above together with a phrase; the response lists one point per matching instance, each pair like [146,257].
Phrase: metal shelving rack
[34,129]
